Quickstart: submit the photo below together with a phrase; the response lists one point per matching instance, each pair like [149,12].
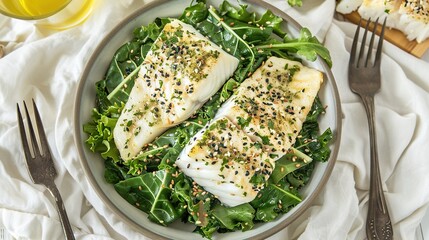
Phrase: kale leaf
[151,193]
[274,199]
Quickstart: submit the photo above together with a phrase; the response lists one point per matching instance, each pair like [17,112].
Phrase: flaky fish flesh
[223,160]
[272,104]
[409,16]
[182,70]
[255,127]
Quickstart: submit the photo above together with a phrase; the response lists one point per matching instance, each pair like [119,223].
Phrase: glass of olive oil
[54,14]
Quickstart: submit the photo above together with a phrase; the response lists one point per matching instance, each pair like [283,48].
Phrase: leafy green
[306,45]
[274,199]
[294,3]
[115,172]
[231,41]
[227,89]
[223,219]
[267,20]
[239,217]
[289,163]
[195,14]
[195,200]
[150,192]
[149,33]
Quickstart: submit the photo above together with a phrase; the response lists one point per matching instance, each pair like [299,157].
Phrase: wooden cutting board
[396,37]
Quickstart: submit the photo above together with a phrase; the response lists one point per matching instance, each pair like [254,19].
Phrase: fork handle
[378,224]
[68,232]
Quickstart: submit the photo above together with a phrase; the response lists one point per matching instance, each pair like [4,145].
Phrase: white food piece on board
[413,20]
[375,8]
[348,6]
[409,16]
[255,127]
[182,70]
[223,159]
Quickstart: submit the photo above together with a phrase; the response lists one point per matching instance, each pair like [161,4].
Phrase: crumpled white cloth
[46,65]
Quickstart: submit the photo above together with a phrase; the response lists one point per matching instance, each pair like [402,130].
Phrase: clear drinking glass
[54,14]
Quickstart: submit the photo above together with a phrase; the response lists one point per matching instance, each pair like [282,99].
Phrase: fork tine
[380,44]
[371,43]
[33,139]
[354,44]
[42,135]
[362,46]
[23,134]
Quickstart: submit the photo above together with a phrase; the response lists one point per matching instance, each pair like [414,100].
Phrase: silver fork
[39,162]
[364,80]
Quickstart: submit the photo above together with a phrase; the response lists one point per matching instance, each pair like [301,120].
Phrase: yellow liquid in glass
[32,9]
[56,14]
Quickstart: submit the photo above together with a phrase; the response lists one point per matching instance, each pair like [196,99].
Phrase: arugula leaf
[239,14]
[150,192]
[294,3]
[306,45]
[267,20]
[251,33]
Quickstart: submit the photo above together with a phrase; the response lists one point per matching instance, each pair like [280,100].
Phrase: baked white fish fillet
[348,6]
[409,16]
[413,19]
[256,126]
[273,103]
[182,70]
[223,159]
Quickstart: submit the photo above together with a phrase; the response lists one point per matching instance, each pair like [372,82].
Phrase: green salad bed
[151,182]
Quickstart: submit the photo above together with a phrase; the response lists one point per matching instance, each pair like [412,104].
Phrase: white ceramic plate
[93,165]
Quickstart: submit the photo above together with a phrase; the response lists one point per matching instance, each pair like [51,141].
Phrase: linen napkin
[46,65]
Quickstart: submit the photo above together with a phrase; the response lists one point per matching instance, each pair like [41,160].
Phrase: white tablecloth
[46,65]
